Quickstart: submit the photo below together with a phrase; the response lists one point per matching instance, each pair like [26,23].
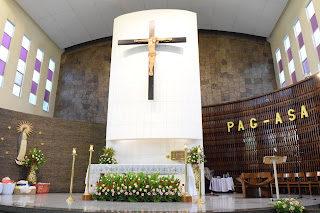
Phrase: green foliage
[140,187]
[288,205]
[33,157]
[193,156]
[107,156]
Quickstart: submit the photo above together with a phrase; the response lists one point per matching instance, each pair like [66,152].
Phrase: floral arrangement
[138,188]
[33,158]
[288,205]
[106,156]
[193,156]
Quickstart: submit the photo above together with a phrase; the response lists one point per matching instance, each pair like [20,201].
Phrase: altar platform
[55,202]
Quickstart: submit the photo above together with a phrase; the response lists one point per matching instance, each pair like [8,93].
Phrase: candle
[91,147]
[199,150]
[74,151]
[185,146]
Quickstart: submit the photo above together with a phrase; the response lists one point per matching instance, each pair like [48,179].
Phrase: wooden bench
[252,182]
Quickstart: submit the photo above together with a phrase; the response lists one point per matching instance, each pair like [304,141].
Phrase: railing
[243,151]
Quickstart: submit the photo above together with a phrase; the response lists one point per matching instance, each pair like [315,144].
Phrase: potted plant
[195,158]
[107,156]
[33,159]
[288,205]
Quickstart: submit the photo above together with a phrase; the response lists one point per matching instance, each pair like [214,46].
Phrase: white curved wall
[175,111]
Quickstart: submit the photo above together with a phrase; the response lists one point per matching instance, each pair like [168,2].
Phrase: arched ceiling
[72,22]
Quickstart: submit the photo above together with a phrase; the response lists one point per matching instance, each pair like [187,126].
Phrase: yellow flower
[284,206]
[291,203]
[287,199]
[302,207]
[279,201]
[297,203]
[292,198]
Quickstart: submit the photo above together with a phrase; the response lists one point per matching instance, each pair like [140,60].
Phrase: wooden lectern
[275,160]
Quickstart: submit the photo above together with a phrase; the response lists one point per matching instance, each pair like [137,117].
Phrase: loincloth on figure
[152,54]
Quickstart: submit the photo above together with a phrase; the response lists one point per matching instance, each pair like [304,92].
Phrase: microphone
[275,149]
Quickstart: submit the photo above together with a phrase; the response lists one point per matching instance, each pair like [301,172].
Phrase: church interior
[159,106]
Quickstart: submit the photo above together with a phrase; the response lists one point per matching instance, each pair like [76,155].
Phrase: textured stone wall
[84,83]
[232,67]
[56,141]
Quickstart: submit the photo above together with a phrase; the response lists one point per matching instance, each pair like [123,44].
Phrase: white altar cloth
[221,184]
[164,169]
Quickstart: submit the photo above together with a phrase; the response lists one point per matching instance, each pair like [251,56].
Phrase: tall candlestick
[74,153]
[200,201]
[87,195]
[186,197]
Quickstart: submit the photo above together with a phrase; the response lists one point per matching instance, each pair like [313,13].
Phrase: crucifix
[152,41]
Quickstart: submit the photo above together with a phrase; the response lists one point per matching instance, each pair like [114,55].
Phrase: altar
[178,170]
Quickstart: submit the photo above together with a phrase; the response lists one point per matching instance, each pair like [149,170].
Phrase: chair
[299,177]
[288,179]
[281,182]
[312,180]
[252,182]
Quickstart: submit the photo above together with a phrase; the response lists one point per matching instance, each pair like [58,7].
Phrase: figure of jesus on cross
[152,49]
[152,41]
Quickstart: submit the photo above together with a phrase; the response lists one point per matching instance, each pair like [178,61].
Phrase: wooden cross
[152,41]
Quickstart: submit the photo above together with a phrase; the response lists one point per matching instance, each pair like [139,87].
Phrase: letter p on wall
[230,125]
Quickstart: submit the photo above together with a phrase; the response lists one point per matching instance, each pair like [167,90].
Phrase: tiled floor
[221,203]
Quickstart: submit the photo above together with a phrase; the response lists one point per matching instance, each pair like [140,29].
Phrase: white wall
[175,111]
[144,131]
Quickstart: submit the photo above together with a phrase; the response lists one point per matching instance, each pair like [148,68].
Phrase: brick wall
[232,66]
[58,137]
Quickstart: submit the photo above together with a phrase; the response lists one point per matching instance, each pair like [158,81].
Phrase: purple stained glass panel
[34,87]
[318,50]
[50,74]
[294,77]
[300,39]
[306,66]
[18,79]
[289,53]
[2,66]
[6,40]
[280,66]
[314,22]
[46,95]
[37,65]
[23,54]
[284,84]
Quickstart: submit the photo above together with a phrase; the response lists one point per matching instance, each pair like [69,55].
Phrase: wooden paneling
[243,151]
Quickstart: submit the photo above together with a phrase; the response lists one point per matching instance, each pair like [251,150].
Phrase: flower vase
[196,174]
[32,176]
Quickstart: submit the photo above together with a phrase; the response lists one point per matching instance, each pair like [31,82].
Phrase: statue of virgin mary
[25,129]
